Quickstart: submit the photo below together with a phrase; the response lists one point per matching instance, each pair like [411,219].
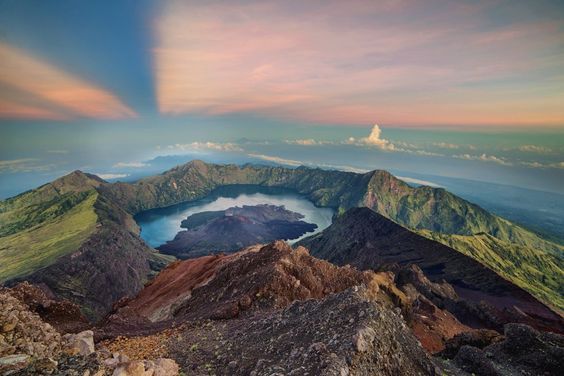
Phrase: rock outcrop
[524,351]
[347,333]
[30,346]
[272,298]
[271,309]
[224,287]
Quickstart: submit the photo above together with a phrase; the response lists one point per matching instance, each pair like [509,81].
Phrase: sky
[470,89]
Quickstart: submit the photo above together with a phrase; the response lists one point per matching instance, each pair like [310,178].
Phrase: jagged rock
[436,292]
[224,287]
[433,326]
[81,343]
[46,365]
[478,297]
[363,339]
[9,326]
[79,365]
[134,368]
[479,338]
[265,279]
[472,360]
[524,351]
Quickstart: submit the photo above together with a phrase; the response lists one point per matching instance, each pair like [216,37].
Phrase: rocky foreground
[268,310]
[29,345]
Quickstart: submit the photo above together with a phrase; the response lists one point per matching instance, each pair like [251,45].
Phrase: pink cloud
[353,63]
[38,79]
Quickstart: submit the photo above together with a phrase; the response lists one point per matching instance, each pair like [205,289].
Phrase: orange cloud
[40,80]
[13,110]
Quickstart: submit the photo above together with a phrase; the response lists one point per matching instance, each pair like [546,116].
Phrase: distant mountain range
[69,233]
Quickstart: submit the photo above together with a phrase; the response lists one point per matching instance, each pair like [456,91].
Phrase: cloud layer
[401,62]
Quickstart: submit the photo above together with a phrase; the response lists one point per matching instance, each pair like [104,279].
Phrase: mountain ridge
[421,209]
[367,240]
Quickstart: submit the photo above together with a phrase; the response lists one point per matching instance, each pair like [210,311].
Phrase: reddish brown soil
[433,327]
[174,285]
[267,278]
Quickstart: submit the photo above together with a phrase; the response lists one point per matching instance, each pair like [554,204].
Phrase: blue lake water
[160,225]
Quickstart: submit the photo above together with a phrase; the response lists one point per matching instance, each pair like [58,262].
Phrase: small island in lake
[234,228]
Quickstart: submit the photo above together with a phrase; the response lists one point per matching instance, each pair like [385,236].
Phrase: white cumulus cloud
[483,157]
[446,145]
[534,149]
[110,176]
[131,165]
[227,146]
[289,162]
[374,139]
[418,181]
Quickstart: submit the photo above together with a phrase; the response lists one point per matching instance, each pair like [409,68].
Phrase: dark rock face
[478,338]
[112,264]
[524,351]
[481,298]
[235,228]
[343,334]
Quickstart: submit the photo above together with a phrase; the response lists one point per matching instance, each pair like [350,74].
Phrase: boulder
[164,367]
[159,367]
[523,351]
[81,343]
[13,362]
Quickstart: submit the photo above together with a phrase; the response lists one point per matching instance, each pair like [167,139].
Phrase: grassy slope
[534,269]
[41,243]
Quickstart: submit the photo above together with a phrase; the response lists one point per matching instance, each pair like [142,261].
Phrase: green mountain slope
[78,242]
[41,225]
[42,243]
[533,269]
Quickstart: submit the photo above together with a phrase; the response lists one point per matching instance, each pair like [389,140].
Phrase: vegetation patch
[47,237]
